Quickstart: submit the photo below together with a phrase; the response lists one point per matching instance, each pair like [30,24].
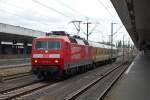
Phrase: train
[59,55]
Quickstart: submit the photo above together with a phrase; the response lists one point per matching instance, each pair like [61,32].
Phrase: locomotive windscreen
[47,44]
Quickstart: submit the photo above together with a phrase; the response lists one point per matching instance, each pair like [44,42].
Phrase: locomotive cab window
[47,44]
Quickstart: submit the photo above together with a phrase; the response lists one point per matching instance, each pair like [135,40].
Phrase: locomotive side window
[47,44]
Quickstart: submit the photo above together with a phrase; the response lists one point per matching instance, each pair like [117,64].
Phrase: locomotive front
[47,56]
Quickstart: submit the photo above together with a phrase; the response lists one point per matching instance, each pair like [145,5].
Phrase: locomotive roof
[78,41]
[55,37]
[66,38]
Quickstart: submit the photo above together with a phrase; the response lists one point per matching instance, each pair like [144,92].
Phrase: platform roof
[135,15]
[9,33]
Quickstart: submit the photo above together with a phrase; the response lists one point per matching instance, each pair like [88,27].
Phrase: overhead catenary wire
[36,1]
[48,7]
[43,5]
[107,9]
[61,13]
[20,8]
[12,13]
[118,30]
[92,30]
[52,9]
[101,3]
[23,17]
[67,6]
[20,16]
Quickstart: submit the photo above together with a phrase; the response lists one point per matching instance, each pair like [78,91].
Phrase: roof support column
[14,46]
[25,45]
[0,47]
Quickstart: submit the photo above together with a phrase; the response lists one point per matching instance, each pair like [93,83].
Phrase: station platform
[135,84]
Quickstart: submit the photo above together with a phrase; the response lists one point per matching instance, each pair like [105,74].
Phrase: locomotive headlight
[37,55]
[35,61]
[56,61]
[46,51]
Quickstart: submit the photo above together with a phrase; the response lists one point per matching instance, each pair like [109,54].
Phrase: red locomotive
[58,55]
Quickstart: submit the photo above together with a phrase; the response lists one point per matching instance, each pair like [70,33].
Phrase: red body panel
[69,52]
[45,60]
[75,52]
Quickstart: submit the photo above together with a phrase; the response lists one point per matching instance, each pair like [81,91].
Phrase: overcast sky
[49,15]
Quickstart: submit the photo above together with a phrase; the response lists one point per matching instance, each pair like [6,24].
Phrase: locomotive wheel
[80,69]
[93,65]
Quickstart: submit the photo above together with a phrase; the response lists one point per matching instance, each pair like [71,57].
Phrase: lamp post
[87,29]
[111,39]
[123,49]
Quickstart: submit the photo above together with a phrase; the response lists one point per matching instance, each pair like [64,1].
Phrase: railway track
[104,93]
[81,91]
[17,81]
[18,92]
[72,96]
[18,87]
[9,77]
[22,91]
[75,94]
